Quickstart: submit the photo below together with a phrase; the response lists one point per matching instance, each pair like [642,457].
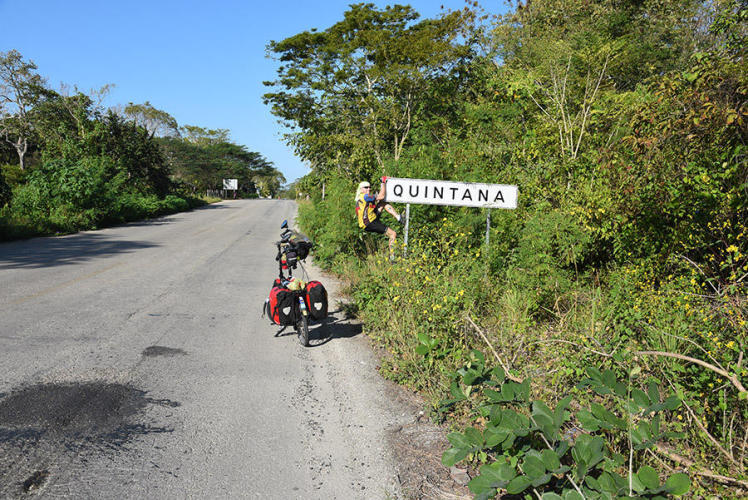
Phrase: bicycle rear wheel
[302,329]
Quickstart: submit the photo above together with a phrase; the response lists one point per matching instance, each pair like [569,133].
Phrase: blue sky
[203,62]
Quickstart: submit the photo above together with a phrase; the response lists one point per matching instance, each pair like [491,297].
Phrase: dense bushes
[65,196]
[627,255]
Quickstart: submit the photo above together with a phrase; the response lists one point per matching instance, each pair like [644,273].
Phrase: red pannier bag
[316,300]
[280,306]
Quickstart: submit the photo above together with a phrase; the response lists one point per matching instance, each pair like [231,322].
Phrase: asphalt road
[134,364]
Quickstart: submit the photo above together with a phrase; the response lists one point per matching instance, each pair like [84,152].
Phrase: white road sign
[463,194]
[230,184]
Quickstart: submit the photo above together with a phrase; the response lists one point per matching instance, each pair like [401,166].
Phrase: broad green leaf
[482,484]
[640,398]
[648,477]
[499,471]
[653,391]
[541,480]
[533,467]
[470,377]
[637,484]
[456,392]
[507,391]
[518,485]
[672,402]
[474,437]
[607,483]
[609,378]
[454,455]
[458,440]
[607,416]
[621,389]
[572,495]
[479,357]
[494,396]
[522,392]
[493,437]
[551,496]
[550,460]
[560,415]
[588,421]
[499,374]
[581,469]
[594,374]
[541,409]
[592,483]
[678,484]
[422,349]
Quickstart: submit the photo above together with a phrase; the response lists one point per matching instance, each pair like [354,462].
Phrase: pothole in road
[158,350]
[92,412]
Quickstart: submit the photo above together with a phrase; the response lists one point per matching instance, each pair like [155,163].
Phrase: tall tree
[352,93]
[21,88]
[155,121]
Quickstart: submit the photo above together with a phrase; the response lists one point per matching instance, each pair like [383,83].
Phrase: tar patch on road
[44,425]
[36,480]
[158,350]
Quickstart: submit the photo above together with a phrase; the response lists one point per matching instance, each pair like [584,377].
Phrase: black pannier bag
[316,300]
[281,306]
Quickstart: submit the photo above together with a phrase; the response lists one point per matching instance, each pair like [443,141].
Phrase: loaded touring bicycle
[292,301]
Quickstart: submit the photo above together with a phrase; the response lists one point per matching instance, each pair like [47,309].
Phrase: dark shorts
[376,227]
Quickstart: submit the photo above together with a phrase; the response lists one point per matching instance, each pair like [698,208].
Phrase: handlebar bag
[282,306]
[316,300]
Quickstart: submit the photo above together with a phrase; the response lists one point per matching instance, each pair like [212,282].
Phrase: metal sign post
[407,225]
[488,225]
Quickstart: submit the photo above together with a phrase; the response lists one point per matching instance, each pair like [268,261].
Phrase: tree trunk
[21,147]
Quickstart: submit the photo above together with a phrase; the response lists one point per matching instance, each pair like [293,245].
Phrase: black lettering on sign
[483,194]
[454,190]
[395,188]
[467,195]
[425,191]
[499,196]
[439,190]
[410,190]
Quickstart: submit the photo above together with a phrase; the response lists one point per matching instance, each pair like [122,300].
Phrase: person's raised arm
[382,189]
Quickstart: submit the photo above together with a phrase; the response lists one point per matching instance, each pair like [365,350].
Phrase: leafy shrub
[5,191]
[72,195]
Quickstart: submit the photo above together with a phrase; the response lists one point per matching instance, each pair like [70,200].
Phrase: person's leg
[392,236]
[386,206]
[393,212]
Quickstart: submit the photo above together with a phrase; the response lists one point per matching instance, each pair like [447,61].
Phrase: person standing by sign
[369,208]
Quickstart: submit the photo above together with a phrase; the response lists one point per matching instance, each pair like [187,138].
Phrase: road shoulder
[410,445]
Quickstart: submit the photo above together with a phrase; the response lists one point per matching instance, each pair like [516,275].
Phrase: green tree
[155,121]
[21,88]
[353,92]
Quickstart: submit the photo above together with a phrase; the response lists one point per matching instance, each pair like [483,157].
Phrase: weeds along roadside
[63,219]
[448,313]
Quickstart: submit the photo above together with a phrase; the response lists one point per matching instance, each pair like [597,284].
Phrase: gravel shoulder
[411,444]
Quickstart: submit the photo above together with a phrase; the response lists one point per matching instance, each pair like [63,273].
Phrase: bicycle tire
[302,328]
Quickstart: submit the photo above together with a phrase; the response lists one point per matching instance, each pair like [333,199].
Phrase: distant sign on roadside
[463,194]
[231,184]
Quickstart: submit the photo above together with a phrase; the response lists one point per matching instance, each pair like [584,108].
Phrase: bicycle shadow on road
[332,327]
